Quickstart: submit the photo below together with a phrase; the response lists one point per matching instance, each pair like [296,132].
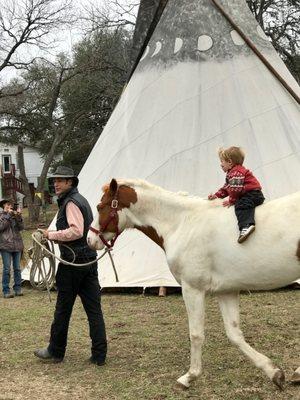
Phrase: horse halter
[112,217]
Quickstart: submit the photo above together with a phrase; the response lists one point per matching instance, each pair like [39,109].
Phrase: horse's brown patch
[125,196]
[298,250]
[152,234]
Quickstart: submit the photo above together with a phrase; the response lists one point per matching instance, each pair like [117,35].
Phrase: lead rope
[42,277]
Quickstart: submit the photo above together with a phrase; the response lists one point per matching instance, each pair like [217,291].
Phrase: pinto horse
[199,240]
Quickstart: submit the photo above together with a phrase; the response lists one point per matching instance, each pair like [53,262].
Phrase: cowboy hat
[64,172]
[4,201]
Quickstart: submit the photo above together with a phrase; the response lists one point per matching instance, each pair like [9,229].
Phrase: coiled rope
[42,276]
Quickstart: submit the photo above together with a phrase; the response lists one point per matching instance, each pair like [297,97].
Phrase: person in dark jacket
[72,224]
[11,247]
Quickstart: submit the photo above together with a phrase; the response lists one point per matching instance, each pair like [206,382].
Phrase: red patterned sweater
[239,180]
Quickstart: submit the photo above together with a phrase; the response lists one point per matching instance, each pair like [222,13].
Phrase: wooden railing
[11,185]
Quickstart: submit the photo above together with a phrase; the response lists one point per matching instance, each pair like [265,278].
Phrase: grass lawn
[148,349]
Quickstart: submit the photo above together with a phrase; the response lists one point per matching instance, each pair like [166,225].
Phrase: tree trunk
[38,201]
[34,206]
[58,139]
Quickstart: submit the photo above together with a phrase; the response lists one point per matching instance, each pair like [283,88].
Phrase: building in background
[10,184]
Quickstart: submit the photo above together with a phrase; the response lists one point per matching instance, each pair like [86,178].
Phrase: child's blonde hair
[234,154]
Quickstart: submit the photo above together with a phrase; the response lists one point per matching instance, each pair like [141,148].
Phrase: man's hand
[211,196]
[45,233]
[226,203]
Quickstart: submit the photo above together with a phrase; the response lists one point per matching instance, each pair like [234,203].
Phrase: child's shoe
[245,232]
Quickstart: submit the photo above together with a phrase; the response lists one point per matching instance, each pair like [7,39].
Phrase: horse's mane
[142,184]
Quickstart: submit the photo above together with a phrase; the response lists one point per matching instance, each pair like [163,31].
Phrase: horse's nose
[91,245]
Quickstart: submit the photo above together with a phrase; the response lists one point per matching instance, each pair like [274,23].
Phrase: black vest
[82,251]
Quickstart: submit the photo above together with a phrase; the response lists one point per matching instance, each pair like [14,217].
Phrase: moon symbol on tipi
[157,48]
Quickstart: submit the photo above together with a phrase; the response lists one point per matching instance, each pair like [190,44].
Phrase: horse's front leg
[229,306]
[194,301]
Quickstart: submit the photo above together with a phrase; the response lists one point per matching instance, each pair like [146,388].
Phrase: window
[6,163]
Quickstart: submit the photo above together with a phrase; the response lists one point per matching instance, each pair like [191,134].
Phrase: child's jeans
[245,207]
[7,258]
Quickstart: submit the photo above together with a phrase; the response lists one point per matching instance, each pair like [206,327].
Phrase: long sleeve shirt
[76,225]
[239,180]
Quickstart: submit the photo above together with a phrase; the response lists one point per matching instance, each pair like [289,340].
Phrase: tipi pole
[257,52]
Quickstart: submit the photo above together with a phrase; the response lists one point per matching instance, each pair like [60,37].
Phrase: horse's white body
[200,242]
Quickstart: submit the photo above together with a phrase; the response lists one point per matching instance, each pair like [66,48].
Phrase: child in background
[241,187]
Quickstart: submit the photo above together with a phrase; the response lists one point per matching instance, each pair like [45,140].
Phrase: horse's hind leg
[229,306]
[194,301]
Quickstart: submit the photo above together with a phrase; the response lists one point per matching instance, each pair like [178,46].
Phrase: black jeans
[245,207]
[70,282]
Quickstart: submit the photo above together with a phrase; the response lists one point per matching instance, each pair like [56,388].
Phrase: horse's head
[110,220]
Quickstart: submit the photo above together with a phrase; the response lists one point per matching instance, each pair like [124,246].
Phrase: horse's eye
[98,207]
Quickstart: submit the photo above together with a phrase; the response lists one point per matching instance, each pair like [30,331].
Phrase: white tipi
[197,87]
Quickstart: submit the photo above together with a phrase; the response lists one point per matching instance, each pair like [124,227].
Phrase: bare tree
[29,23]
[134,15]
[113,14]
[280,21]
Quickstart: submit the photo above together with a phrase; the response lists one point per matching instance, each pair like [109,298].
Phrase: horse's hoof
[182,383]
[279,379]
[180,386]
[296,377]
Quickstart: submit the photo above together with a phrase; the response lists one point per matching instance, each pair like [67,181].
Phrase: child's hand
[226,203]
[211,196]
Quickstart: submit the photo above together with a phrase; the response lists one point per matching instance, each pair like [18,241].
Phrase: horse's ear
[113,186]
